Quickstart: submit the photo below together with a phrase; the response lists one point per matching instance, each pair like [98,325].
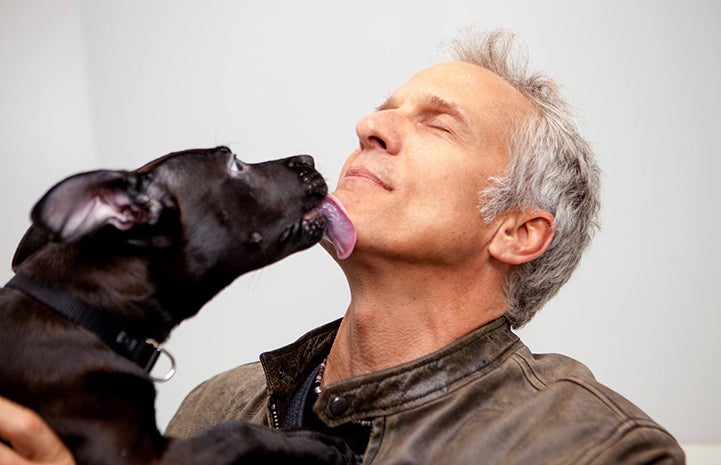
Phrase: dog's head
[199,216]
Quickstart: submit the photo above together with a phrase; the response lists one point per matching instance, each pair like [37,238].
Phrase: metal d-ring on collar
[142,352]
[161,351]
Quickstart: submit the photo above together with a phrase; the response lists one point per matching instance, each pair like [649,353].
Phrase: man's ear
[522,236]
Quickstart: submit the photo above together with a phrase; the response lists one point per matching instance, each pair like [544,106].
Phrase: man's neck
[398,315]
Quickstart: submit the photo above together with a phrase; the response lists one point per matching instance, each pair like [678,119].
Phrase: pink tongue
[340,230]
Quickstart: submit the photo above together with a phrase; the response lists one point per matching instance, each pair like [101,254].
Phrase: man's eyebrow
[429,103]
[436,104]
[389,104]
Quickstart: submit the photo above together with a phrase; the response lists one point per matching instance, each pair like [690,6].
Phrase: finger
[20,426]
[10,457]
[30,436]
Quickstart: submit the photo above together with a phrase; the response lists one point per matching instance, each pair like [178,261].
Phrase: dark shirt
[300,415]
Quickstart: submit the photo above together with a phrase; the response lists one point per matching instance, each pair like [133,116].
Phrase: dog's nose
[301,160]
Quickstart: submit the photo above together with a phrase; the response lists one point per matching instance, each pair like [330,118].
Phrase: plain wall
[90,84]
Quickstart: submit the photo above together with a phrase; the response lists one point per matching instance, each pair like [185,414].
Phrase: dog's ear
[81,204]
[33,240]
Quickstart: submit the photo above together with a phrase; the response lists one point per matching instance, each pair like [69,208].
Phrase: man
[473,197]
[424,368]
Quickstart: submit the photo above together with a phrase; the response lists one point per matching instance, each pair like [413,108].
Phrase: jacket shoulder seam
[529,372]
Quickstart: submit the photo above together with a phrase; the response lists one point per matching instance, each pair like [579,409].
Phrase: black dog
[113,261]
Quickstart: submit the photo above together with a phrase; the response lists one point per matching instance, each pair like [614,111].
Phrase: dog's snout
[301,160]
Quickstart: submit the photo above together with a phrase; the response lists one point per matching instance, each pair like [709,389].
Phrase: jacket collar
[392,390]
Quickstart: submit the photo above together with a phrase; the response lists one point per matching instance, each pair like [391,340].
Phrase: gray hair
[551,167]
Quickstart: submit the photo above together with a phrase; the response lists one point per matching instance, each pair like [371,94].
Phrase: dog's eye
[236,166]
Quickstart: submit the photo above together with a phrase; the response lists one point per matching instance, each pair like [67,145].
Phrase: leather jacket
[483,399]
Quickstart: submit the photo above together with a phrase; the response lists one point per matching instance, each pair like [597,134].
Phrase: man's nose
[380,131]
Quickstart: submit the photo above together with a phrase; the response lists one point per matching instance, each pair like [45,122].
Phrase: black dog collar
[142,352]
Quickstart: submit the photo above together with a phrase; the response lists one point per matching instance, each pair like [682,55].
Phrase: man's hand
[31,440]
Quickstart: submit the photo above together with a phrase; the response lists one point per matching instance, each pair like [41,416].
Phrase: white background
[91,84]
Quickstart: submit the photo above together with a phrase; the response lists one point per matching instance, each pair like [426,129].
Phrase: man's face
[411,187]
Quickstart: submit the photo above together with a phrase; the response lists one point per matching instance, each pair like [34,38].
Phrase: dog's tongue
[339,230]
